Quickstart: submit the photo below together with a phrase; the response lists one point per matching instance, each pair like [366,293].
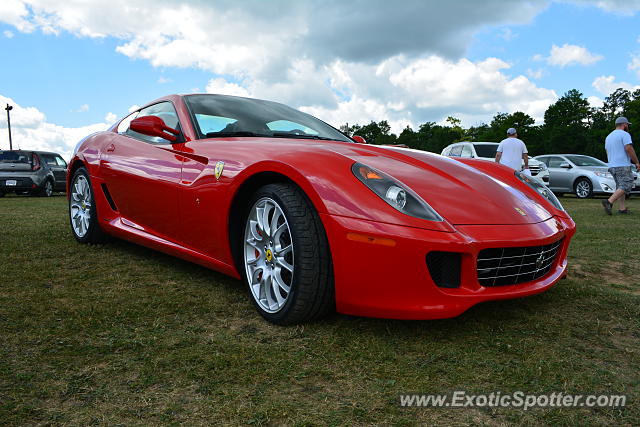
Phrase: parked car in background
[579,174]
[32,172]
[487,151]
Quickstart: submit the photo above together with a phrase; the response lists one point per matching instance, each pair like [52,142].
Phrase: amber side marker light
[370,239]
[368,173]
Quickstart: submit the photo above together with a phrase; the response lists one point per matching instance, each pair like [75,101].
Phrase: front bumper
[381,270]
[608,186]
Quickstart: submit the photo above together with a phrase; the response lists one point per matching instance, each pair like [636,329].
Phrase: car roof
[31,151]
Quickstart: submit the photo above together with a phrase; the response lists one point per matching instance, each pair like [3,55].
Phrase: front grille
[510,266]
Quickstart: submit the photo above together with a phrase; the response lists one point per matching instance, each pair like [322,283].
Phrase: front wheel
[583,188]
[286,260]
[82,210]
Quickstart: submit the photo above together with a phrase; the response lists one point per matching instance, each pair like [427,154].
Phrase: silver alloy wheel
[268,255]
[48,188]
[80,205]
[583,189]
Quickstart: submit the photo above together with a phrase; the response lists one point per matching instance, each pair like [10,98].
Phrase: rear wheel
[47,189]
[82,210]
[286,260]
[583,188]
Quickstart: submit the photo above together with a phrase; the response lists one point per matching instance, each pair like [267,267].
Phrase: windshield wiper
[236,133]
[295,136]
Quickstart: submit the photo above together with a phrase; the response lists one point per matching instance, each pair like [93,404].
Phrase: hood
[463,195]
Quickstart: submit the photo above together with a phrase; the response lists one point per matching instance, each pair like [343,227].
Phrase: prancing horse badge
[219,168]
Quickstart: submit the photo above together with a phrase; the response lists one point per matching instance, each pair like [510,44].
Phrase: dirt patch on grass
[613,274]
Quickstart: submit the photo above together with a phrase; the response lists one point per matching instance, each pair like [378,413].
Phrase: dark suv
[31,172]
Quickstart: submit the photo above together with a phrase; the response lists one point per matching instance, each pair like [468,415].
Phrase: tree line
[570,125]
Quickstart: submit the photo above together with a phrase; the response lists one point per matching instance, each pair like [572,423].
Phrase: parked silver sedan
[582,175]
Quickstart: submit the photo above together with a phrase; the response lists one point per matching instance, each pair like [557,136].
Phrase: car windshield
[585,161]
[14,157]
[218,116]
[486,150]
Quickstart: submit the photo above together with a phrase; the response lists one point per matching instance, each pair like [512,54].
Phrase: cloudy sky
[73,67]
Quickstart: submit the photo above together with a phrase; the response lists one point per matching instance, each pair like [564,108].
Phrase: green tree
[377,133]
[566,124]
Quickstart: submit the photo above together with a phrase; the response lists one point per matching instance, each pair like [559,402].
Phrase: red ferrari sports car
[312,220]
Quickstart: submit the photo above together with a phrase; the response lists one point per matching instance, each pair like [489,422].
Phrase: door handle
[111,148]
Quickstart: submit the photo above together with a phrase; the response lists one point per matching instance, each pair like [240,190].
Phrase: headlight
[394,193]
[540,188]
[604,175]
[543,167]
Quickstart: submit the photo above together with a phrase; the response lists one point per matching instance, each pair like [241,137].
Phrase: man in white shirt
[512,151]
[620,154]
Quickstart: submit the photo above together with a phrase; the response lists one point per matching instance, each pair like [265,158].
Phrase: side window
[123,127]
[456,151]
[212,124]
[554,162]
[446,151]
[60,161]
[544,160]
[166,112]
[466,151]
[48,159]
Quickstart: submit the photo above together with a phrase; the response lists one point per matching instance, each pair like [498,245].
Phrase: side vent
[444,268]
[107,195]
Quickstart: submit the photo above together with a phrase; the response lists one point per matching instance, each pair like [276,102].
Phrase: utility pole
[9,108]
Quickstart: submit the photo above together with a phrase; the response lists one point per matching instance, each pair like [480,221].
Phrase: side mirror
[358,139]
[153,126]
[565,165]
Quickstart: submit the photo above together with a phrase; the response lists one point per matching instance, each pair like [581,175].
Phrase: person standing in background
[512,151]
[620,155]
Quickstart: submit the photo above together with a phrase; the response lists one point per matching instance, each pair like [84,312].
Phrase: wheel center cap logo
[268,255]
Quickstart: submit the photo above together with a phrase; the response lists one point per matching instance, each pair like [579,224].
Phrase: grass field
[119,334]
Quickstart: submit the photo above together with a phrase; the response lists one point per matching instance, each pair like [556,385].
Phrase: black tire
[47,188]
[582,188]
[311,294]
[94,233]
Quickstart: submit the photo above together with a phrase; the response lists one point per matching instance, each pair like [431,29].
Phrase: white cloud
[508,34]
[618,7]
[110,118]
[31,130]
[257,39]
[8,34]
[535,74]
[15,12]
[345,61]
[634,65]
[222,87]
[595,101]
[82,109]
[569,54]
[607,84]
[162,80]
[133,108]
